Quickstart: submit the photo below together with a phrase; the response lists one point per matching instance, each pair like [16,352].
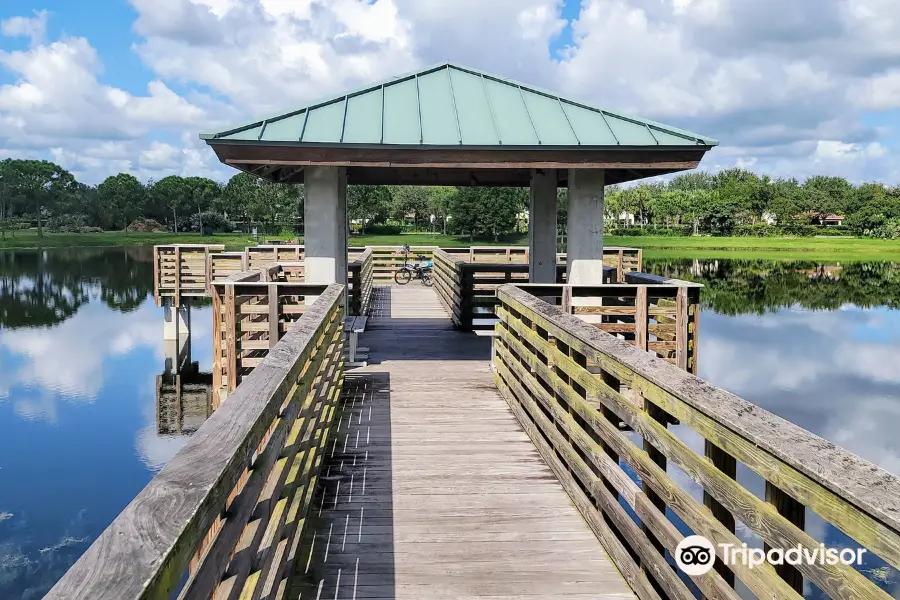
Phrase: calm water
[81,349]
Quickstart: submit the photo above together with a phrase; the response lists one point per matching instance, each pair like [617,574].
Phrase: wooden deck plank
[430,487]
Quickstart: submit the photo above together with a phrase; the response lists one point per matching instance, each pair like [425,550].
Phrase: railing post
[207,266]
[567,299]
[179,417]
[681,328]
[467,293]
[209,272]
[177,276]
[245,260]
[661,417]
[157,274]
[641,318]
[274,330]
[695,331]
[728,465]
[794,512]
[613,418]
[620,272]
[217,346]
[231,328]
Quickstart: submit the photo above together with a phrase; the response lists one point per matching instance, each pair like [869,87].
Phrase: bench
[353,326]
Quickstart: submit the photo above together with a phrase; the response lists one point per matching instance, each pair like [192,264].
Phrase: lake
[88,415]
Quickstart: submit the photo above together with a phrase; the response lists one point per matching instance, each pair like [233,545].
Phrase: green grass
[827,248]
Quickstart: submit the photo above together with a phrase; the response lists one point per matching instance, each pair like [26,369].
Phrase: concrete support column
[176,335]
[542,227]
[176,320]
[325,223]
[584,262]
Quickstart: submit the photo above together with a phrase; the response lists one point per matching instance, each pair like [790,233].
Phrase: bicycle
[410,271]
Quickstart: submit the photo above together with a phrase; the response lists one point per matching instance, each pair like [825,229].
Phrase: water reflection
[44,288]
[737,287]
[84,371]
[183,392]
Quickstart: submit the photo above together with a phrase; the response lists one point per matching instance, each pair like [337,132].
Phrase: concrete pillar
[176,320]
[325,226]
[325,222]
[176,335]
[542,227]
[584,262]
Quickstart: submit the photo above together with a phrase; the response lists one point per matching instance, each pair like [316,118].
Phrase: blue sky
[103,86]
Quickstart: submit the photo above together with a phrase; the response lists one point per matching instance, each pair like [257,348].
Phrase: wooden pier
[539,461]
[430,487]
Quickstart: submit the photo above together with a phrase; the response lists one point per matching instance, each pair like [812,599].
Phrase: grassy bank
[696,247]
[233,241]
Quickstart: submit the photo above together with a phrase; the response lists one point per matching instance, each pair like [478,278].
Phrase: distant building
[625,219]
[769,218]
[824,221]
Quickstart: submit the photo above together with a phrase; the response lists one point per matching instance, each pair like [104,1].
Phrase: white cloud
[782,85]
[34,28]
[879,93]
[789,363]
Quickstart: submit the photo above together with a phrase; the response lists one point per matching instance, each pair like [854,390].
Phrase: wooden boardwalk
[430,487]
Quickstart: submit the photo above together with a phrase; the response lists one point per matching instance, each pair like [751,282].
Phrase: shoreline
[782,248]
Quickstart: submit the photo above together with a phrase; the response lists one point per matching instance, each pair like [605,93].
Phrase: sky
[791,89]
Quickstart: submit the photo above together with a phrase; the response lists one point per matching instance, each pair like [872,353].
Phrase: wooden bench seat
[353,326]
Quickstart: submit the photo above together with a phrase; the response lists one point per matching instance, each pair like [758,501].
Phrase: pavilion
[452,125]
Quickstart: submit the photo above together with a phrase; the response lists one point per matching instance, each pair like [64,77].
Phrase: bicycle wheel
[402,276]
[427,279]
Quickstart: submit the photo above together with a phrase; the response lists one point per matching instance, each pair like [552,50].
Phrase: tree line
[730,202]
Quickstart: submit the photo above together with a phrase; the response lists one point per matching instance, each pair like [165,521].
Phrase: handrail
[253,458]
[552,363]
[360,280]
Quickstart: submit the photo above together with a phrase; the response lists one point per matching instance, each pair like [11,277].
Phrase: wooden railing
[575,388]
[623,260]
[222,265]
[252,311]
[225,516]
[268,255]
[180,271]
[212,264]
[661,316]
[468,289]
[387,259]
[360,282]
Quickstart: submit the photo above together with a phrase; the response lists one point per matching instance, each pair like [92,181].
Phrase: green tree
[369,204]
[438,201]
[481,211]
[202,195]
[500,208]
[823,196]
[33,185]
[174,195]
[122,198]
[409,199]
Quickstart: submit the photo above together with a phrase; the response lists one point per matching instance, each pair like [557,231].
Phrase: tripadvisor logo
[696,555]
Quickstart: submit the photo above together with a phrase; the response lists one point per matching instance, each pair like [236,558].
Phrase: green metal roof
[448,105]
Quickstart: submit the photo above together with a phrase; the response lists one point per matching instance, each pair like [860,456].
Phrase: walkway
[431,490]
